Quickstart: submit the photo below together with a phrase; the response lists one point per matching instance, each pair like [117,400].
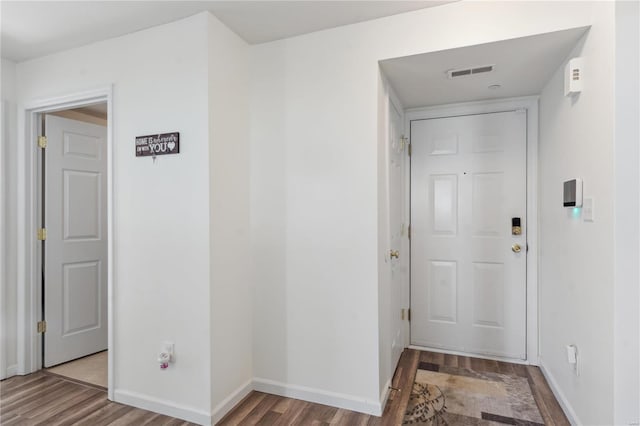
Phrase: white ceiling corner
[30,29]
[523,66]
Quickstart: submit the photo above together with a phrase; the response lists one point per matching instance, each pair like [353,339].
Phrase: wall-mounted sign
[162,144]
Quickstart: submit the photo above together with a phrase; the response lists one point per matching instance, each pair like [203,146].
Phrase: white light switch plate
[587,209]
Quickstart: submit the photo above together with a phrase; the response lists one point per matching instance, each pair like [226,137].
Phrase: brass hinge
[42,326]
[409,149]
[409,314]
[42,234]
[42,141]
[402,314]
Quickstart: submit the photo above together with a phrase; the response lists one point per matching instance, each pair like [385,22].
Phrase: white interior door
[75,250]
[468,285]
[397,232]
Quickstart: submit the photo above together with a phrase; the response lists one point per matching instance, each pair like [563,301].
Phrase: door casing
[530,104]
[29,253]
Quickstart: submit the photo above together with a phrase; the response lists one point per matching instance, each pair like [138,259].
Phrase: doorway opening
[73,191]
[68,236]
[473,252]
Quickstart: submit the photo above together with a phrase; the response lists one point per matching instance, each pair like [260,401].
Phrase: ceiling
[523,66]
[30,29]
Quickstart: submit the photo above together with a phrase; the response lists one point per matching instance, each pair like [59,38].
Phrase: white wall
[8,288]
[626,395]
[162,252]
[576,280]
[231,318]
[314,186]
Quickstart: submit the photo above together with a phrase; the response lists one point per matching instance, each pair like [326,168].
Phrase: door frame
[405,261]
[29,253]
[530,104]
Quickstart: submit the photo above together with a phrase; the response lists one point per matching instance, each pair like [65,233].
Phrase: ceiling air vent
[469,71]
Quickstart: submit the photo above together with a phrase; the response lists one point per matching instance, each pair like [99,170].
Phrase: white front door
[75,250]
[397,232]
[468,280]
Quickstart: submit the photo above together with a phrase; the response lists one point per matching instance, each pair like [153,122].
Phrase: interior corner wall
[161,208]
[315,188]
[627,216]
[8,286]
[231,317]
[576,257]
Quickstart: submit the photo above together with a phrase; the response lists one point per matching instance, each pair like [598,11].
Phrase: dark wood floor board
[549,407]
[394,411]
[26,389]
[262,408]
[15,383]
[54,403]
[316,414]
[31,399]
[133,417]
[520,370]
[243,409]
[41,399]
[450,360]
[464,362]
[269,419]
[282,405]
[349,418]
[292,415]
[505,368]
[105,415]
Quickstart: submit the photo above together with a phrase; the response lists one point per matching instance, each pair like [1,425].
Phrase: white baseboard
[384,396]
[231,401]
[163,407]
[318,396]
[564,403]
[12,370]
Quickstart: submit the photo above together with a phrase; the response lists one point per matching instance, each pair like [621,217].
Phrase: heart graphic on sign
[171,145]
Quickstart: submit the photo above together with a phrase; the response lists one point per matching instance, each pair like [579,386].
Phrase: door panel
[75,251]
[396,231]
[468,179]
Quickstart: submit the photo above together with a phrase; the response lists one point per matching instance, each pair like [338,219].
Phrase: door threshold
[472,355]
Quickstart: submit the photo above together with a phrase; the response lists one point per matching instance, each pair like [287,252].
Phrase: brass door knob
[516,248]
[394,254]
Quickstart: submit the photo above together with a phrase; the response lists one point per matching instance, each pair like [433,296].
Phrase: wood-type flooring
[47,399]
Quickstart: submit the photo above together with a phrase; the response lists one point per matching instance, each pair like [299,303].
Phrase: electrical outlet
[168,347]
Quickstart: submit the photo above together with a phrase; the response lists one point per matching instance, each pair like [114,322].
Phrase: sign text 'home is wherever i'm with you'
[162,144]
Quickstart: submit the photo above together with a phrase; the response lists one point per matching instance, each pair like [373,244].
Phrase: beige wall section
[80,116]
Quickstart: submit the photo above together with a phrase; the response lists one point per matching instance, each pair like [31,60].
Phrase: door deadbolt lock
[394,254]
[515,226]
[516,248]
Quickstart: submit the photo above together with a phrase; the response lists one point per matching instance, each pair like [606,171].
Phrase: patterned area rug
[459,396]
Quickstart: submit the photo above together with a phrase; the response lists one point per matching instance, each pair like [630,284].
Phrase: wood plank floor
[263,409]
[46,399]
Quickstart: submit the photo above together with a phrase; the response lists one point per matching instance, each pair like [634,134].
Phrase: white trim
[160,406]
[473,355]
[384,395]
[530,103]
[318,396]
[12,370]
[3,271]
[29,346]
[231,401]
[564,403]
